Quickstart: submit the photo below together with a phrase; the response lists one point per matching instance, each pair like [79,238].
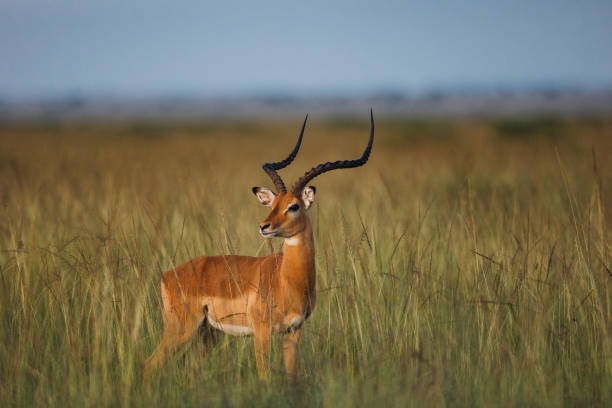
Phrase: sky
[171,48]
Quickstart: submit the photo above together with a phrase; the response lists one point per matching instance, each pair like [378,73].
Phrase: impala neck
[298,255]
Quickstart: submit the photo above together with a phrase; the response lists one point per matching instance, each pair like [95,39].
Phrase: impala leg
[262,350]
[175,334]
[157,357]
[290,346]
[209,338]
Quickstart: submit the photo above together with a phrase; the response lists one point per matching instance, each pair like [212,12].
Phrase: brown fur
[274,293]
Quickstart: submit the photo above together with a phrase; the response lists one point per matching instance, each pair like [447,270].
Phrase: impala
[244,295]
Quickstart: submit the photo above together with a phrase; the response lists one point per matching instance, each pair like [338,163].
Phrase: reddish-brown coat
[274,293]
[245,295]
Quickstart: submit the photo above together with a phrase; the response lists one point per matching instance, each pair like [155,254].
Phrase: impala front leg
[262,350]
[290,345]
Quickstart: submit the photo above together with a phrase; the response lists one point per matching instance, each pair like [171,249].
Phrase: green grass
[462,268]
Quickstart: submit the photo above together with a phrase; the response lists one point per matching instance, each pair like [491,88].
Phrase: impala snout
[265,230]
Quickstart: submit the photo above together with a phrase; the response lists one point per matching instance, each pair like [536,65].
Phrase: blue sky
[144,48]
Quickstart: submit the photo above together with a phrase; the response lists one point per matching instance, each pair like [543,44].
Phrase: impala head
[289,211]
[289,214]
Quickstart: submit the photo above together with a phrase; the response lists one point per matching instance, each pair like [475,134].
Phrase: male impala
[244,295]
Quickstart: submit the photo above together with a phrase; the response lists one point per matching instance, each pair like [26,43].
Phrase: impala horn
[340,164]
[271,168]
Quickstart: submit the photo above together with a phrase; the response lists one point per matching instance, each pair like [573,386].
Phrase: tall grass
[468,263]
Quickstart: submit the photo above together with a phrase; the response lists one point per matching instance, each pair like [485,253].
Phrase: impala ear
[264,195]
[308,194]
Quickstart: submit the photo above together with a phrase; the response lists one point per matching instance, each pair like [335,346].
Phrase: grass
[468,267]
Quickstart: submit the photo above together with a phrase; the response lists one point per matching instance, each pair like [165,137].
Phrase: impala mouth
[268,234]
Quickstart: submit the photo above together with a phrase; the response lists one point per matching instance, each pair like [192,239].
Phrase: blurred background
[467,263]
[194,59]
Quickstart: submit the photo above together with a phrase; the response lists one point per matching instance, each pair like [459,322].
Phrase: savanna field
[468,263]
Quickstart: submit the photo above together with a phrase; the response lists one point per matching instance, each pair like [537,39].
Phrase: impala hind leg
[209,337]
[175,334]
[181,321]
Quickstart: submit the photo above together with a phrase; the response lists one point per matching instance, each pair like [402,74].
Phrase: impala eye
[293,208]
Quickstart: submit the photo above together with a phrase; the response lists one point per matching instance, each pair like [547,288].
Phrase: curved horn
[270,168]
[341,164]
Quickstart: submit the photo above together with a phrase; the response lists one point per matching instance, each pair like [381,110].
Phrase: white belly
[231,329]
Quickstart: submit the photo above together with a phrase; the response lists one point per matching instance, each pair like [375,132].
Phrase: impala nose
[263,228]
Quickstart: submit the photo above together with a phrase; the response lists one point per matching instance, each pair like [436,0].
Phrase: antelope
[245,295]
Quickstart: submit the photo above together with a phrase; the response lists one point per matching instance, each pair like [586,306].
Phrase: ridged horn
[271,168]
[341,164]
